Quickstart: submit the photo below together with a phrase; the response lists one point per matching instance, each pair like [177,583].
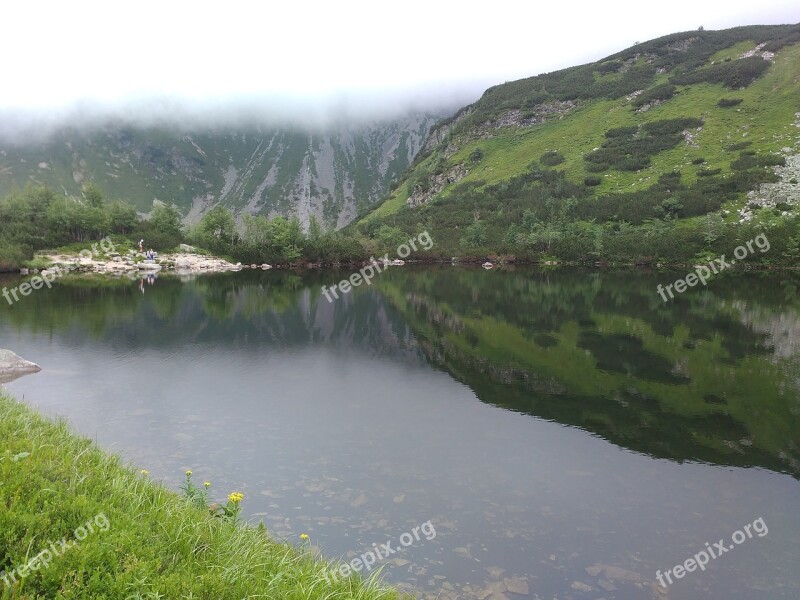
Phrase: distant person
[141,245]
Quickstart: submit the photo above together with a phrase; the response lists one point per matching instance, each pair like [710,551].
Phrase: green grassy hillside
[655,137]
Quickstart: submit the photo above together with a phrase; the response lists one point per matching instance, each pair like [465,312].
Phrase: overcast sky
[169,58]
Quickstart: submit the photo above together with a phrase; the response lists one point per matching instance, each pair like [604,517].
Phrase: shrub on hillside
[706,195]
[475,235]
[790,37]
[592,180]
[660,93]
[630,148]
[749,160]
[597,167]
[729,102]
[733,75]
[476,155]
[551,159]
[611,66]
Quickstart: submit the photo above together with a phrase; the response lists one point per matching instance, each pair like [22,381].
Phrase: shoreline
[211,265]
[150,540]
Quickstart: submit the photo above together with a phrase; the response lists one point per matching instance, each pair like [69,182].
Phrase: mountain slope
[669,130]
[331,174]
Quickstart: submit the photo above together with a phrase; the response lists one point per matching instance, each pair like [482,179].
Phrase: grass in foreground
[149,543]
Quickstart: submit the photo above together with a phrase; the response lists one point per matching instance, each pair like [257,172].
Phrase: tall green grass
[157,544]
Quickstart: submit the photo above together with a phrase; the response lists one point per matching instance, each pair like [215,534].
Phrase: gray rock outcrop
[12,366]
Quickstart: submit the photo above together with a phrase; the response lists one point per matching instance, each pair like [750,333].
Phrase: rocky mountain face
[332,174]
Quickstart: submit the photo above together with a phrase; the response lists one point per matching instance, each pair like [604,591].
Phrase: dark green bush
[634,163]
[729,102]
[551,159]
[748,160]
[790,37]
[771,160]
[708,172]
[611,66]
[592,180]
[669,180]
[630,148]
[698,161]
[733,75]
[668,126]
[705,195]
[744,162]
[597,167]
[658,93]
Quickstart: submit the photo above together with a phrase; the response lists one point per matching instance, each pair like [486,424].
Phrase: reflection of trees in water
[706,377]
[276,309]
[691,380]
[88,302]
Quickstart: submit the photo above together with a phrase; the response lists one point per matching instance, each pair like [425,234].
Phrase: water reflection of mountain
[710,377]
[692,381]
[243,311]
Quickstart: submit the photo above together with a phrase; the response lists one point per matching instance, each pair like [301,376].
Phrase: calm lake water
[566,433]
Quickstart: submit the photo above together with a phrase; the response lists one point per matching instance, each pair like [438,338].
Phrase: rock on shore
[12,366]
[184,262]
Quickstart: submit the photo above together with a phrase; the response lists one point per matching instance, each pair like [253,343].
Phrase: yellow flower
[207,484]
[145,472]
[189,473]
[304,536]
[236,497]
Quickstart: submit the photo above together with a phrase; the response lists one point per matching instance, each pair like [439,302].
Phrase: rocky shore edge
[186,261]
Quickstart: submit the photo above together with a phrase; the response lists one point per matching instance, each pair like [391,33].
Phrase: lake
[567,433]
